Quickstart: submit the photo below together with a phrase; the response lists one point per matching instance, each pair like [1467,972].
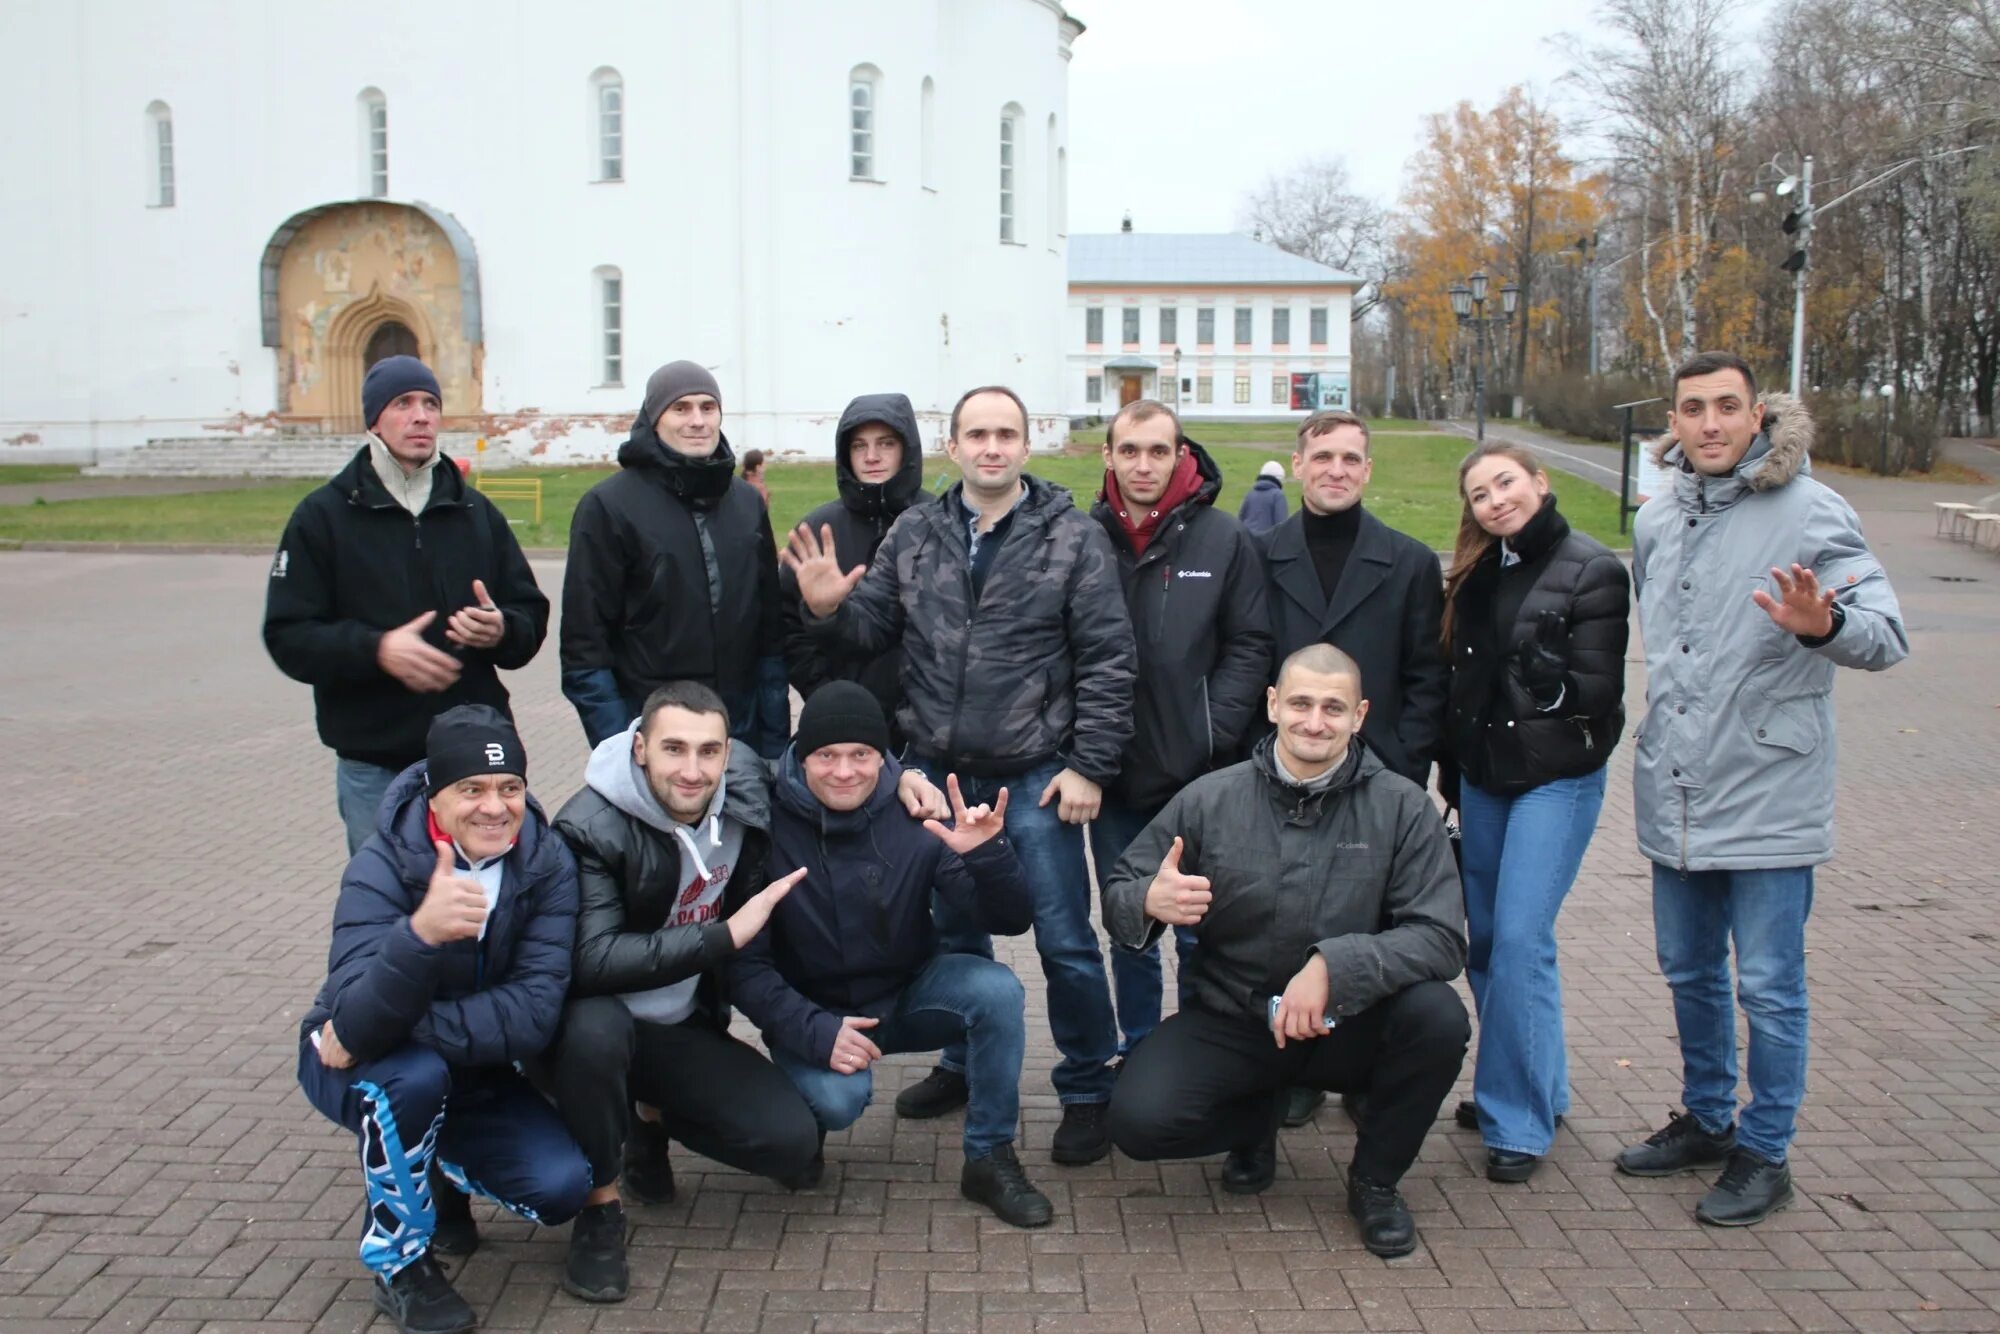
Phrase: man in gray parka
[1753,583]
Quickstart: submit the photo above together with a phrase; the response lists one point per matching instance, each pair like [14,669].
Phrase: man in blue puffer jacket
[849,970]
[451,953]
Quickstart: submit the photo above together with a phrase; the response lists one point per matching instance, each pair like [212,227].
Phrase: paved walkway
[170,850]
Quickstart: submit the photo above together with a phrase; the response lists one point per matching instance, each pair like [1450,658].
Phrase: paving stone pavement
[168,854]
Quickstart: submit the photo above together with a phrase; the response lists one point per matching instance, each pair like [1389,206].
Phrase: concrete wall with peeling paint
[741,239]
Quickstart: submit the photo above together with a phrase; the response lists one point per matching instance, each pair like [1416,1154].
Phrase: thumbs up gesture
[1174,897]
[454,907]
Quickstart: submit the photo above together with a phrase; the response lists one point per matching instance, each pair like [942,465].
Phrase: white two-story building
[1217,326]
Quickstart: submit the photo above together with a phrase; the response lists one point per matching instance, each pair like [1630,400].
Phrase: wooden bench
[1948,514]
[514,488]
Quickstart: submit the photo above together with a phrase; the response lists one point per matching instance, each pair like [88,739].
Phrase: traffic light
[1792,221]
[1794,262]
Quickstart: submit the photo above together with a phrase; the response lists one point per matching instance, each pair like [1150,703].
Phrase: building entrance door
[390,339]
[1128,390]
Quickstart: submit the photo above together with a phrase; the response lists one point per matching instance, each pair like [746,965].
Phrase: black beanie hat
[388,380]
[674,381]
[470,740]
[841,713]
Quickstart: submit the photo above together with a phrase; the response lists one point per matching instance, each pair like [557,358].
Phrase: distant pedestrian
[1263,506]
[753,473]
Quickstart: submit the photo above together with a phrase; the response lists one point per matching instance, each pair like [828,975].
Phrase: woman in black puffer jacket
[1535,625]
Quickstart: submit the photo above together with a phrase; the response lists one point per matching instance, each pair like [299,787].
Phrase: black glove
[1544,661]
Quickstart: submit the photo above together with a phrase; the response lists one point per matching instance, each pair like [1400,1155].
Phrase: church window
[608,108]
[1010,147]
[611,324]
[863,87]
[160,154]
[374,144]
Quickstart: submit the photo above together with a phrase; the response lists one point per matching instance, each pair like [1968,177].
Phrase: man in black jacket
[1340,576]
[1322,894]
[673,574]
[1017,672]
[1194,586]
[850,969]
[396,592]
[451,950]
[878,464]
[671,833]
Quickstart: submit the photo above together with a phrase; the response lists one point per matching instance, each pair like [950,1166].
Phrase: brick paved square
[161,932]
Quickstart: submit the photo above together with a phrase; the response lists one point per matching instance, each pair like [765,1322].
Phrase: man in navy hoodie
[451,953]
[849,968]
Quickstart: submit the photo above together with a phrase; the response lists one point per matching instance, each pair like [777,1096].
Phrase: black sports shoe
[1082,1137]
[649,1173]
[421,1300]
[998,1182]
[1300,1104]
[596,1268]
[456,1235]
[1387,1229]
[1506,1165]
[1466,1115]
[1679,1146]
[1750,1190]
[1250,1170]
[938,1093]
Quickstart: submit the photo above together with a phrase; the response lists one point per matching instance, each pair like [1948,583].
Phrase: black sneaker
[421,1300]
[1300,1104]
[649,1172]
[1466,1115]
[1750,1190]
[1679,1146]
[1251,1170]
[1387,1229]
[456,1235]
[938,1093]
[998,1182]
[1082,1137]
[596,1268]
[1506,1165]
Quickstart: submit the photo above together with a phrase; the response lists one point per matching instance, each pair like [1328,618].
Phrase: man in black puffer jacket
[878,464]
[1194,585]
[850,969]
[673,574]
[450,955]
[1017,671]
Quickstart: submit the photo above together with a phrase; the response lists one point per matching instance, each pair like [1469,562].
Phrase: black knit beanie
[841,713]
[388,380]
[470,740]
[676,380]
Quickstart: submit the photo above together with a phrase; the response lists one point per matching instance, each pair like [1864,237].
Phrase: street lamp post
[1468,302]
[1887,392]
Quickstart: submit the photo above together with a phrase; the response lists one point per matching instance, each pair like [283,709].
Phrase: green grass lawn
[24,474]
[1414,489]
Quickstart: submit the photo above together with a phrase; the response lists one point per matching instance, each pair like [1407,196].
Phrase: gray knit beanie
[677,379]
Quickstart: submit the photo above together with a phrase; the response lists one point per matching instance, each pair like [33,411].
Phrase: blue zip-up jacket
[490,1001]
[858,927]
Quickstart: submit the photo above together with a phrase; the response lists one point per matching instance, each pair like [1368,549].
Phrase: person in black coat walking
[1263,505]
[1194,586]
[1535,629]
[878,465]
[673,574]
[396,592]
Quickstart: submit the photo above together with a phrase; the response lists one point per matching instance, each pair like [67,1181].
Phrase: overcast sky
[1178,108]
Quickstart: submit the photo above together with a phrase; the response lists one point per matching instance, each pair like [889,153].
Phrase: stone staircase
[261,456]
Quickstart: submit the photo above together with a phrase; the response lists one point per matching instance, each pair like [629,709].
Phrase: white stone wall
[741,239]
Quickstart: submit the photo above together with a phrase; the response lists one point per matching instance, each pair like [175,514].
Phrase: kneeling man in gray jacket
[1329,923]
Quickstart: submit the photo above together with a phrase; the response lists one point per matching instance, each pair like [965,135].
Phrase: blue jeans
[1695,914]
[957,998]
[358,787]
[1521,855]
[1051,855]
[1135,974]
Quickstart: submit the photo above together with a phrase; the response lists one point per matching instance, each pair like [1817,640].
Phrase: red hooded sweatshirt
[1140,528]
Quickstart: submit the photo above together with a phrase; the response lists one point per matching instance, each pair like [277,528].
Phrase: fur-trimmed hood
[1781,452]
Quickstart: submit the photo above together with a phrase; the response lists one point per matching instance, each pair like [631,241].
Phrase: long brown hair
[1473,541]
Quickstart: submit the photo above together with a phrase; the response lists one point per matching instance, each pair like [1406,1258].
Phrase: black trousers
[1204,1082]
[718,1096]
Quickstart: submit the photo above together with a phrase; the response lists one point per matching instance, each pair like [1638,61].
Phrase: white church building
[217,213]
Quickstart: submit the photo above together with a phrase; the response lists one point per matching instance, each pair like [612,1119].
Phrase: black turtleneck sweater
[1330,539]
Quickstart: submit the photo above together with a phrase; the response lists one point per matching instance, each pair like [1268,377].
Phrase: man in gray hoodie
[1754,583]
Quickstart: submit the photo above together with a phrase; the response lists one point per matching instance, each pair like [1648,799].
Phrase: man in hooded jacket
[1194,585]
[1263,505]
[673,575]
[878,465]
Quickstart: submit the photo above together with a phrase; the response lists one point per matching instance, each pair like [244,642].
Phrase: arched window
[374,143]
[1058,225]
[927,162]
[1010,149]
[607,108]
[160,155]
[610,284]
[864,87]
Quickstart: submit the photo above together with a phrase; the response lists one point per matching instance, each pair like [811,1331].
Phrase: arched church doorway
[346,285]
